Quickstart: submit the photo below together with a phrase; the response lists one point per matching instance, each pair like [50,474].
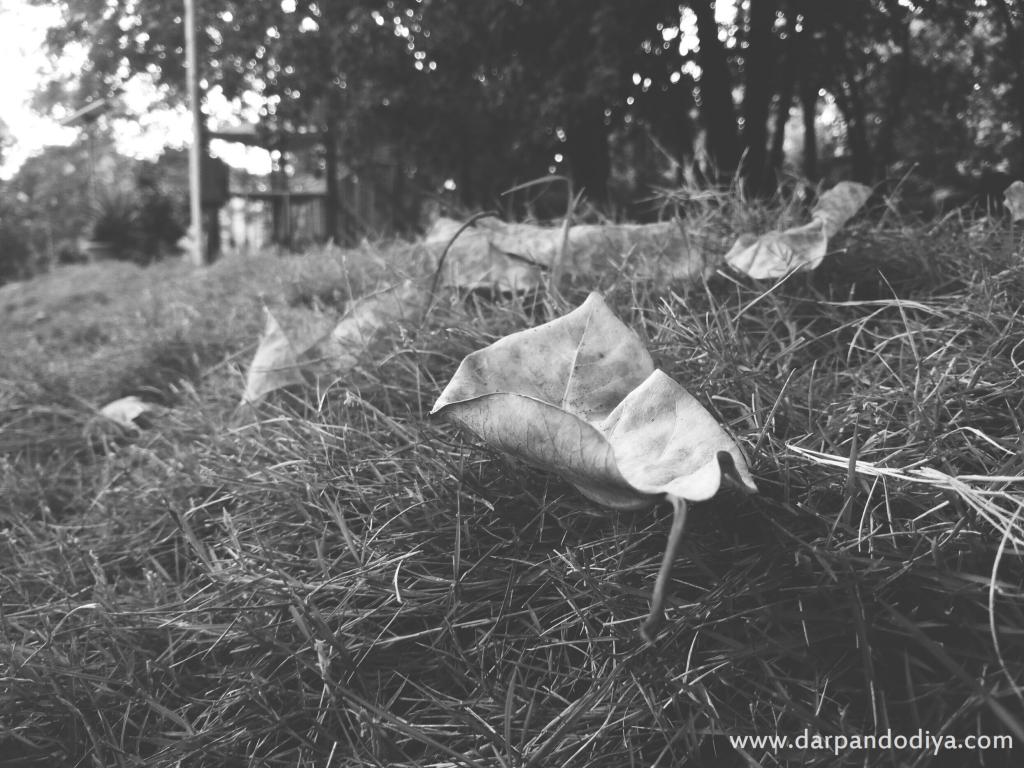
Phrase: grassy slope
[351,583]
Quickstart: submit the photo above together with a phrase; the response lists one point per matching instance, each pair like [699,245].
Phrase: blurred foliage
[474,98]
[15,255]
[115,225]
[61,197]
[140,225]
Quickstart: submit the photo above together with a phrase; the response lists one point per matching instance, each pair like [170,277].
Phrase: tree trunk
[717,109]
[851,105]
[586,149]
[398,202]
[899,82]
[332,201]
[809,107]
[757,95]
[787,87]
[466,186]
[1014,53]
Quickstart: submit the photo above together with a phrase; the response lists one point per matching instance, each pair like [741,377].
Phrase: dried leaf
[840,204]
[580,396]
[1013,198]
[776,254]
[661,250]
[666,442]
[126,410]
[275,365]
[282,360]
[585,362]
[549,437]
[475,260]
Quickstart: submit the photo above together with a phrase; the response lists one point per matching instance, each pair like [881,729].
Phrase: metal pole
[90,132]
[195,150]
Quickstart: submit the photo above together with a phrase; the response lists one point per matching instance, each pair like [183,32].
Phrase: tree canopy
[490,93]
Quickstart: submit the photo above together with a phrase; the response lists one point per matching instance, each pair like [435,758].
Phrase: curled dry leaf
[840,204]
[281,360]
[1013,199]
[580,396]
[514,257]
[776,254]
[126,410]
[275,365]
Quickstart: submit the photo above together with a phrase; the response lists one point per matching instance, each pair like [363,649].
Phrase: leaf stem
[657,615]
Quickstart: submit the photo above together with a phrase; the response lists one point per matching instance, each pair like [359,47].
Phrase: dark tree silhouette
[492,93]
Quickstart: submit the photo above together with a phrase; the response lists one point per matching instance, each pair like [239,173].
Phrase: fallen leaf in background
[1013,199]
[776,254]
[474,260]
[513,257]
[840,204]
[275,365]
[126,410]
[580,396]
[283,359]
[366,318]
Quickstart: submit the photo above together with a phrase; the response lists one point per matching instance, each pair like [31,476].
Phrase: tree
[758,61]
[487,94]
[507,79]
[15,255]
[718,111]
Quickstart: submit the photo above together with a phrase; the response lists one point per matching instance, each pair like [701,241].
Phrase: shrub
[159,221]
[68,252]
[116,225]
[15,254]
[140,228]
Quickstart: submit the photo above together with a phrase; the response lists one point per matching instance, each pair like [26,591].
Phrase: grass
[348,582]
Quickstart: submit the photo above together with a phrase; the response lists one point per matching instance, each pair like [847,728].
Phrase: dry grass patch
[348,582]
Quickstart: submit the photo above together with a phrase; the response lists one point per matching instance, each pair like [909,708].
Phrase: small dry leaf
[282,360]
[1013,198]
[840,204]
[776,254]
[275,365]
[366,318]
[126,410]
[580,396]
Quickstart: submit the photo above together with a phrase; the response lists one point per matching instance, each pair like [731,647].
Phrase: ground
[340,579]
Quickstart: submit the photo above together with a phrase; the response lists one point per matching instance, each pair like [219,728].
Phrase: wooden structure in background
[87,117]
[296,210]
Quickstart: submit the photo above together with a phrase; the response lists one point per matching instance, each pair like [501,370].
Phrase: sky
[24,66]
